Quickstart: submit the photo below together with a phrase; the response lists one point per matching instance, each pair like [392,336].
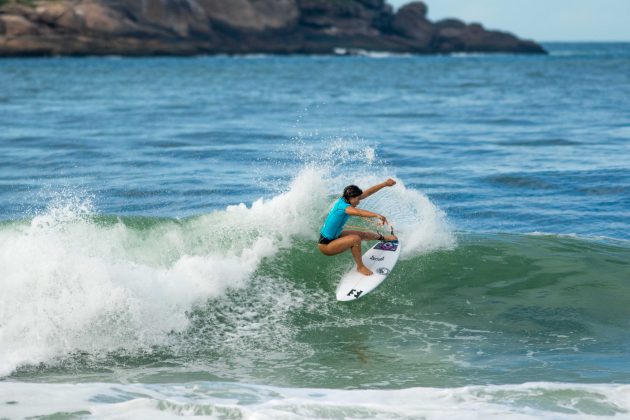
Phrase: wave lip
[71,285]
[73,281]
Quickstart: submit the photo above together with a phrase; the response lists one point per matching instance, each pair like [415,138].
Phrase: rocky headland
[190,27]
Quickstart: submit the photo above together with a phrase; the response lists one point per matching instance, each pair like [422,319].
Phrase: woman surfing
[333,239]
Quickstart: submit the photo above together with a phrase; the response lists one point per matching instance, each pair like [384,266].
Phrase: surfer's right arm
[353,211]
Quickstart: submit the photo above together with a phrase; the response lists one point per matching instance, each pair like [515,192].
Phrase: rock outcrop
[186,27]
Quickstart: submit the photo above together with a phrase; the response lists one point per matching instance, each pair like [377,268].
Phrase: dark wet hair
[351,191]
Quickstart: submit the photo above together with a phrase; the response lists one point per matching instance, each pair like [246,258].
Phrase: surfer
[333,239]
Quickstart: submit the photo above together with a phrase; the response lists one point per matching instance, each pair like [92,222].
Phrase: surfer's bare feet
[390,238]
[364,270]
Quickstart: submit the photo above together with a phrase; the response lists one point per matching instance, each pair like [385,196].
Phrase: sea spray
[421,225]
[340,161]
[77,281]
[69,286]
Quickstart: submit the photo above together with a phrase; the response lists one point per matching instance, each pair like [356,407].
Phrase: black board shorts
[324,240]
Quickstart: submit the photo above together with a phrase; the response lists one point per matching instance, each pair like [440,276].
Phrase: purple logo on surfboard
[387,246]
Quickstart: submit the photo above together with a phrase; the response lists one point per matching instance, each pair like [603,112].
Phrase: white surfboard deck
[381,259]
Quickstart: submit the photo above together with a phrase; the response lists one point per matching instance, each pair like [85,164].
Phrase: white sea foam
[72,284]
[65,289]
[228,400]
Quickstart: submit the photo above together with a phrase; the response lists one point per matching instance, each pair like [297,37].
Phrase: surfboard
[381,259]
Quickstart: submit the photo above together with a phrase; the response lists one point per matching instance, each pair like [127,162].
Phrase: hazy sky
[542,20]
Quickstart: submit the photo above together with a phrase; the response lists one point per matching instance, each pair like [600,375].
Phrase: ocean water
[158,219]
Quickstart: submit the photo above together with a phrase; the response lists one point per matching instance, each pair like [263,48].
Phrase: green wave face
[243,294]
[496,308]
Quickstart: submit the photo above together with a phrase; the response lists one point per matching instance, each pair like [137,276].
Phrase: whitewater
[77,282]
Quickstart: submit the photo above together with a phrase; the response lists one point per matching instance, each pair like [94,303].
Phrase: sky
[541,20]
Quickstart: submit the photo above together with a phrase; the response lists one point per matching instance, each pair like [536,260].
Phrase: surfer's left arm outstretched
[365,194]
[333,239]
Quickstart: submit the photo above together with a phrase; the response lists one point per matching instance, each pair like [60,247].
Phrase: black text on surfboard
[355,293]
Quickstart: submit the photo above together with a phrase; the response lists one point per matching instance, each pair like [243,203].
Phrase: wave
[229,400]
[76,281]
[242,294]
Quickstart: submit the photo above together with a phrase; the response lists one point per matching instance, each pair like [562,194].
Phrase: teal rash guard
[336,219]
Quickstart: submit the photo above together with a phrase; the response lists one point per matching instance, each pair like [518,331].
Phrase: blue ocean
[159,220]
